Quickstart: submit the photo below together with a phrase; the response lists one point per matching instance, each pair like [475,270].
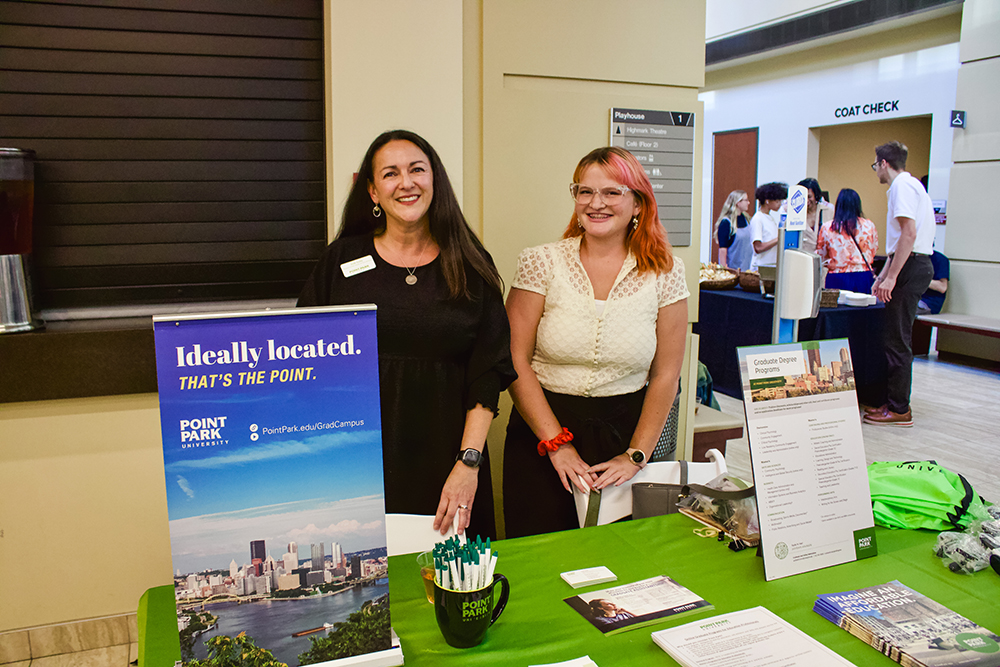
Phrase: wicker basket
[729,283]
[828,298]
[750,282]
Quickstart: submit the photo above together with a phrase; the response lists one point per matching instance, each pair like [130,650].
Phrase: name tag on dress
[356,266]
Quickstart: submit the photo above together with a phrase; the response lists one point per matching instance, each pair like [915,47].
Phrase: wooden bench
[976,324]
[711,430]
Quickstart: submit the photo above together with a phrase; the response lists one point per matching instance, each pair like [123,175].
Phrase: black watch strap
[470,457]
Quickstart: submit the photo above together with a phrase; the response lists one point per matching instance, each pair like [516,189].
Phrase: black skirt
[533,496]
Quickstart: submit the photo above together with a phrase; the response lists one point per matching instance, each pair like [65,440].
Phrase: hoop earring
[376,211]
[635,223]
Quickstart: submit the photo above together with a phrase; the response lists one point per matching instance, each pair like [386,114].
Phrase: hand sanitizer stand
[798,284]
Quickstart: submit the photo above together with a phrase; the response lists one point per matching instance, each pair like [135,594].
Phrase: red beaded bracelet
[546,446]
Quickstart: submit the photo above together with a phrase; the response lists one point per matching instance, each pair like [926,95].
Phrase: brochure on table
[749,637]
[634,605]
[910,628]
[807,455]
[272,455]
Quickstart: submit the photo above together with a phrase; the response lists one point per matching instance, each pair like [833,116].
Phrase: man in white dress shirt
[905,277]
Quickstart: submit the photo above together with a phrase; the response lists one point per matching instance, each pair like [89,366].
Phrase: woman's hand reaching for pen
[457,497]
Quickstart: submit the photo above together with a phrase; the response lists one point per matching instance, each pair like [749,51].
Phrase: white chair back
[616,501]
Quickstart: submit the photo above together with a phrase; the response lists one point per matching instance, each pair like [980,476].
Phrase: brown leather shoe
[868,409]
[886,417]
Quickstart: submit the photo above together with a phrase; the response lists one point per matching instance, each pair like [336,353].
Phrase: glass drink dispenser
[17,197]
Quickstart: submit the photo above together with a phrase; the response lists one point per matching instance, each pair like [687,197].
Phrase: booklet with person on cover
[633,605]
[910,628]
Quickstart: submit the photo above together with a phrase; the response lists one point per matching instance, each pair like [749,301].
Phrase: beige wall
[847,151]
[923,30]
[973,240]
[391,65]
[83,508]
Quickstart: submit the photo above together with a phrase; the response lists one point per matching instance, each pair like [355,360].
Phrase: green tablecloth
[538,627]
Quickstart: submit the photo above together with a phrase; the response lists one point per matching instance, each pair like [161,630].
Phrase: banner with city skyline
[273,466]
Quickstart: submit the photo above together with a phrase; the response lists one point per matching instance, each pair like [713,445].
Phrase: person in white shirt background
[904,278]
[764,225]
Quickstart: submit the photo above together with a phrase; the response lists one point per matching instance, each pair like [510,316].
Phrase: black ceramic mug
[464,616]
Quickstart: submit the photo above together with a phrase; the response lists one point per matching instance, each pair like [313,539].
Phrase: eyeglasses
[584,194]
[875,165]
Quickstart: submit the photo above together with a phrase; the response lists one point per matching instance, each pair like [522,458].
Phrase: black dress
[438,358]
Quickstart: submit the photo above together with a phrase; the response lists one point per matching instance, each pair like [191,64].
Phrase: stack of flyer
[748,637]
[910,628]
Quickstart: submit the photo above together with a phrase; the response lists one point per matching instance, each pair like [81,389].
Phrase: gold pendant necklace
[410,278]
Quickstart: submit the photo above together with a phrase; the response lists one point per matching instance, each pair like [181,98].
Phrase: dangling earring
[376,211]
[635,223]
[579,223]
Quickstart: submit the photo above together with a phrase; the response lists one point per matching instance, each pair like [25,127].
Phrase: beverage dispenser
[17,198]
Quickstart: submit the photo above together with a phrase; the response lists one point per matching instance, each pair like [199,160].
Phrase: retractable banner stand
[273,462]
[807,455]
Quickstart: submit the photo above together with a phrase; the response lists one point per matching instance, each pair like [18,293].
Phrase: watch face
[471,458]
[638,456]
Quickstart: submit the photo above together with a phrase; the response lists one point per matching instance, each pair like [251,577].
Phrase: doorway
[734,167]
[847,151]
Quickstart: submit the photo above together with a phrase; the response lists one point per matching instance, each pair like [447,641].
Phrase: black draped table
[728,319]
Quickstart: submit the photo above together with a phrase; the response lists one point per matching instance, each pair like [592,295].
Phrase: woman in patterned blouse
[598,322]
[848,244]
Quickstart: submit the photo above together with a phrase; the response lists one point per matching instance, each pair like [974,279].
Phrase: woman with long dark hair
[848,244]
[816,211]
[598,322]
[443,336]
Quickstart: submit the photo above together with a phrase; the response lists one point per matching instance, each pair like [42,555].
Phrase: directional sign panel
[663,143]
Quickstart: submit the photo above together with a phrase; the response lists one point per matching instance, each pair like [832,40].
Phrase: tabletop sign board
[272,452]
[795,220]
[807,456]
[663,143]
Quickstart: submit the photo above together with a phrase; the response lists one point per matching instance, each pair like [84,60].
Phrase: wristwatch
[637,456]
[470,457]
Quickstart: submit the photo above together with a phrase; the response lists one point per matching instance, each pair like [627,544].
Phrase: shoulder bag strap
[861,252]
[715,493]
[593,509]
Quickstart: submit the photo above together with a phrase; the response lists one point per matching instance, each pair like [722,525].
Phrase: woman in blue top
[735,245]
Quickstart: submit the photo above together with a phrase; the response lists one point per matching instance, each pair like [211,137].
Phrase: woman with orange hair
[597,321]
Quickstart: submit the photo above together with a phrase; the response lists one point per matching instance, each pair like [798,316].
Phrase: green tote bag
[922,494]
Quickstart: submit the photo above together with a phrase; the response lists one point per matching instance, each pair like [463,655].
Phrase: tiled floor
[102,642]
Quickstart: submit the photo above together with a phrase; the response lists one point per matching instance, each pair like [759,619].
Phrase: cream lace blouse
[578,352]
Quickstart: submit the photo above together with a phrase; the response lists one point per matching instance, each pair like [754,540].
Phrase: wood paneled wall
[180,146]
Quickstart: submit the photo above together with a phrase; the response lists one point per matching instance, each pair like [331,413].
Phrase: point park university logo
[203,432]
